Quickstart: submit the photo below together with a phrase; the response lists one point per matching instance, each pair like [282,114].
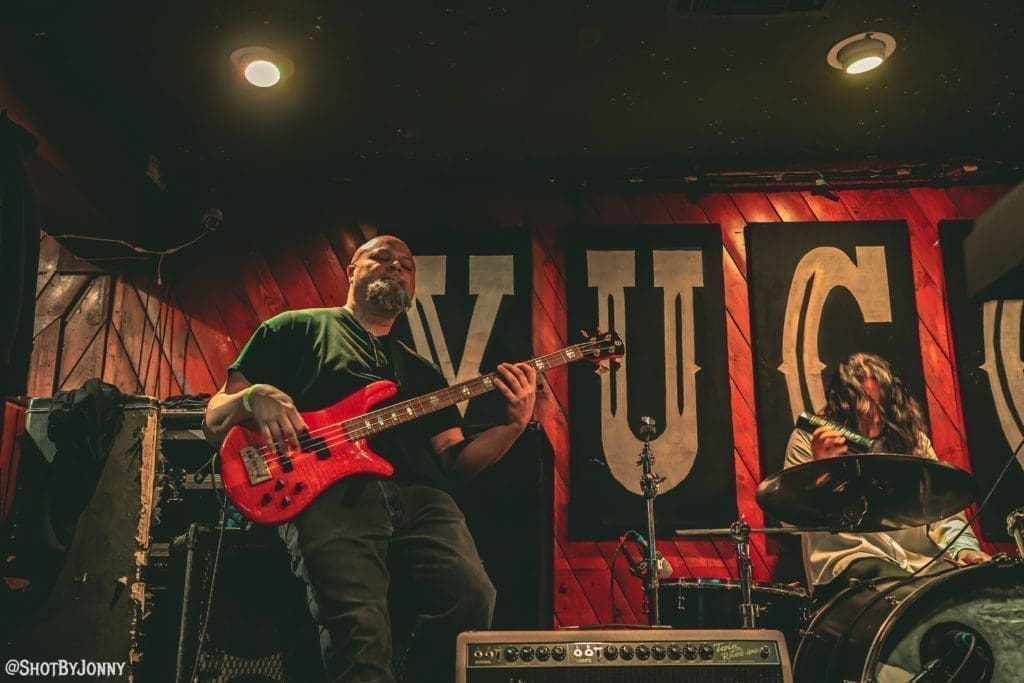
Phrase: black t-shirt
[319,356]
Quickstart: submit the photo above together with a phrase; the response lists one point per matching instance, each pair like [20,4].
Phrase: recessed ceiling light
[262,73]
[262,66]
[862,52]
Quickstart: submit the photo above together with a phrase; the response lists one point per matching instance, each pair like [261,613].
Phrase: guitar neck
[399,413]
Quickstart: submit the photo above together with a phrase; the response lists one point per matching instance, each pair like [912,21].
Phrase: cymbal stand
[649,483]
[740,534]
[1015,528]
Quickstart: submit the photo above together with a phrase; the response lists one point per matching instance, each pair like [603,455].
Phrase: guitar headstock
[602,346]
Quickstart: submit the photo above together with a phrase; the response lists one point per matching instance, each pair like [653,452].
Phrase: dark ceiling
[499,88]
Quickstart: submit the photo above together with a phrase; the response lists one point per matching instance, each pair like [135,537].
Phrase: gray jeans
[375,553]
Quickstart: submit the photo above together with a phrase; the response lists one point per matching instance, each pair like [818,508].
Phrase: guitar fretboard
[399,413]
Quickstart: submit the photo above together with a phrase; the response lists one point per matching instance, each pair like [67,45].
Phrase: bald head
[378,241]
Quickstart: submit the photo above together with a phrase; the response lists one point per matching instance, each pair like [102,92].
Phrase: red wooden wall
[179,337]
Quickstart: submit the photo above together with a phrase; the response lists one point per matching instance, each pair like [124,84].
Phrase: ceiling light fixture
[261,66]
[862,52]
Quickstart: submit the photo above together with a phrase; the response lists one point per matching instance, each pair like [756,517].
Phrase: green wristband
[245,398]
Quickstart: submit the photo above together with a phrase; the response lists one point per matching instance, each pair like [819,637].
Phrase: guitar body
[269,489]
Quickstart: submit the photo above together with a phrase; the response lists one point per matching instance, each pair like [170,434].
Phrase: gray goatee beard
[388,295]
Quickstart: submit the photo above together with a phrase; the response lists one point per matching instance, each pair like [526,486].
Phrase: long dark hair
[901,414]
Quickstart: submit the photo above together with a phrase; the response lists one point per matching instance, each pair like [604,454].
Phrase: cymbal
[869,492]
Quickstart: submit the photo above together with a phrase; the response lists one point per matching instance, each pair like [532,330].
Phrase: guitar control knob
[674,651]
[265,500]
[298,487]
[526,653]
[558,653]
[627,652]
[611,653]
[543,653]
[279,484]
[511,654]
[690,651]
[658,651]
[286,501]
[706,651]
[643,652]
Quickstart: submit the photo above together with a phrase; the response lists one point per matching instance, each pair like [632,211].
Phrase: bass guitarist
[367,538]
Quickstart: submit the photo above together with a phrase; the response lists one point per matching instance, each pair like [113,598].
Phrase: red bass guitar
[269,487]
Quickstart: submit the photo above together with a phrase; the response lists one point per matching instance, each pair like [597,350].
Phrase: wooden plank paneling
[791,207]
[43,368]
[81,356]
[825,209]
[972,201]
[324,268]
[118,369]
[262,289]
[57,296]
[293,280]
[181,336]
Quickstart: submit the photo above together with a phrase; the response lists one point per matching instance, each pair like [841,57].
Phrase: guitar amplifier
[623,656]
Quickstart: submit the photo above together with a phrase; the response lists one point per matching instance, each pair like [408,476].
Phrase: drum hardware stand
[1015,528]
[740,533]
[649,483]
[854,514]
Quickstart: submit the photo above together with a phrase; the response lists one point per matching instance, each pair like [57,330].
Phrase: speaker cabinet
[258,626]
[79,531]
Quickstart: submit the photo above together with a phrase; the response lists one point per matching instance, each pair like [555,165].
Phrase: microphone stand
[649,483]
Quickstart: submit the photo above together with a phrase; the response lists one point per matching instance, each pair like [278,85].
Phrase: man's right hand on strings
[275,414]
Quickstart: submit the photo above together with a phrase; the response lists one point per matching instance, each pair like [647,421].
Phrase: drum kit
[955,623]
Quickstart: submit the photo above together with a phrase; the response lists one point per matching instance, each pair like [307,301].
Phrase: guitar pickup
[255,465]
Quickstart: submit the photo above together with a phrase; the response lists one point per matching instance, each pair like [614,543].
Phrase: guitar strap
[397,356]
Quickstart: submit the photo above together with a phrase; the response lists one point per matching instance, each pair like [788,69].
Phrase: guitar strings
[415,403]
[325,434]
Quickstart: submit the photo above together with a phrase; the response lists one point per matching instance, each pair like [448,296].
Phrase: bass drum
[885,633]
[715,604]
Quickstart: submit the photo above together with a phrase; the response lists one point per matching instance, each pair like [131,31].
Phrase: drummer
[866,396]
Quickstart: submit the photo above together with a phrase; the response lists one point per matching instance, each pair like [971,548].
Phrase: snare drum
[888,630]
[715,604]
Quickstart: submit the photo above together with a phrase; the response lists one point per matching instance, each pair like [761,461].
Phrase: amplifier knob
[765,652]
[706,651]
[658,651]
[690,651]
[511,654]
[674,651]
[627,652]
[643,652]
[558,653]
[611,653]
[543,653]
[526,653]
